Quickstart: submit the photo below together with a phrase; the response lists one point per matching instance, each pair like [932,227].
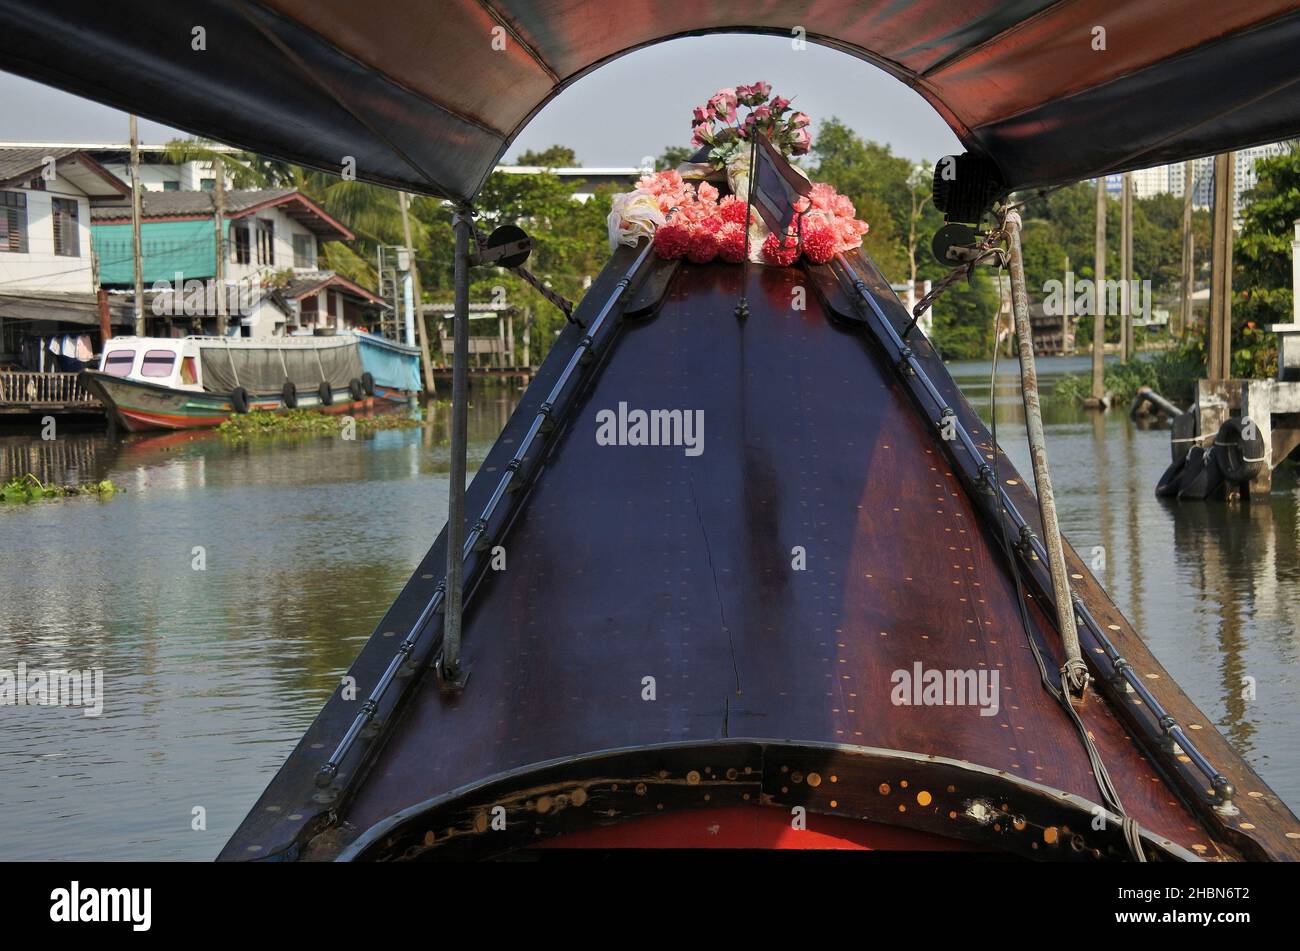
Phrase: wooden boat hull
[137,406]
[674,632]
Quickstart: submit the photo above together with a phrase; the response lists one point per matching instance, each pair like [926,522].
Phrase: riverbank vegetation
[28,488]
[260,423]
[1171,373]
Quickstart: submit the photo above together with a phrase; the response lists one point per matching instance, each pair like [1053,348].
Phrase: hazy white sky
[622,112]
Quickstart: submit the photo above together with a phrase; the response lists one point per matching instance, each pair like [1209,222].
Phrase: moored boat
[197,382]
[394,367]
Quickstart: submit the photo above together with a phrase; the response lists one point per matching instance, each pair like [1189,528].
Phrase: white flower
[633,215]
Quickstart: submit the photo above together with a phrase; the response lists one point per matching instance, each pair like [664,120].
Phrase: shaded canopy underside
[415,93]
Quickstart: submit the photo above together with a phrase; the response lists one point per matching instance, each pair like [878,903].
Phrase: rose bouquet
[719,125]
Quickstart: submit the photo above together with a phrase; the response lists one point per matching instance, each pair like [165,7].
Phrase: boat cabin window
[157,363]
[189,371]
[119,362]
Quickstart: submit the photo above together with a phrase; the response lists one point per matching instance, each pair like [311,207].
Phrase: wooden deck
[24,393]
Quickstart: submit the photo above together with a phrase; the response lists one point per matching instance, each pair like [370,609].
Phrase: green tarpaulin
[169,247]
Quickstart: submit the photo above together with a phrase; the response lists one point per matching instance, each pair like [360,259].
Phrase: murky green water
[211,676]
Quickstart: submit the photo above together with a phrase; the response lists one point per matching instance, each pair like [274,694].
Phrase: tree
[672,156]
[557,156]
[1262,263]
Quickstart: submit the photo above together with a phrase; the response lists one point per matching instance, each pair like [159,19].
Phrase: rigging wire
[1060,692]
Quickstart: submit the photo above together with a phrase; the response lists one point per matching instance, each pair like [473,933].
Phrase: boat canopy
[427,95]
[263,366]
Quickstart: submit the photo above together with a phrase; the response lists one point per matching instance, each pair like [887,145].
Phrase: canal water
[211,675]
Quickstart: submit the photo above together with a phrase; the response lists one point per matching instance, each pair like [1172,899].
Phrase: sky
[617,115]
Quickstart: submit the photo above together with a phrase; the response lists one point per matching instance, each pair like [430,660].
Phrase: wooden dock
[1274,407]
[24,393]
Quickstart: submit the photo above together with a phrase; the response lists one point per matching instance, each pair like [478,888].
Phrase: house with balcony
[52,322]
[272,282]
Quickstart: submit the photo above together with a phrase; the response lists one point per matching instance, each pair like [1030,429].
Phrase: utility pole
[421,331]
[1097,399]
[135,230]
[1067,312]
[101,301]
[1185,310]
[219,218]
[1220,357]
[1126,267]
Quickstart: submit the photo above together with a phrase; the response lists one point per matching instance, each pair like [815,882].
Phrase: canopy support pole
[450,676]
[1074,671]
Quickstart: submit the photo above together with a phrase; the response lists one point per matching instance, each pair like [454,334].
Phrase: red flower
[732,209]
[819,244]
[731,243]
[672,240]
[703,245]
[781,253]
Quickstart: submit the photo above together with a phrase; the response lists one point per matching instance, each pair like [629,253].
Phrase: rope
[1061,693]
[562,303]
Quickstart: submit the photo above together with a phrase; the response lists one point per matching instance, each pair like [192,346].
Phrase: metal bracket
[449,682]
[489,256]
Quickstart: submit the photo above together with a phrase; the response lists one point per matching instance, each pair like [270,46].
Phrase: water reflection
[1209,585]
[223,593]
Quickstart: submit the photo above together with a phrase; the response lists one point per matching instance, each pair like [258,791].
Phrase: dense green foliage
[1262,265]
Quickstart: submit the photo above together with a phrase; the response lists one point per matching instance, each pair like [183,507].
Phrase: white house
[272,277]
[47,288]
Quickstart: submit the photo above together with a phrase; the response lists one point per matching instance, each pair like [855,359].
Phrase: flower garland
[694,221]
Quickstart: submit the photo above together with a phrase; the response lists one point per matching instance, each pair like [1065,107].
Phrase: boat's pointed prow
[723,532]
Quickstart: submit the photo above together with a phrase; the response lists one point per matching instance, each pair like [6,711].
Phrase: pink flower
[843,207]
[724,102]
[707,192]
[799,120]
[780,105]
[822,196]
[802,142]
[703,114]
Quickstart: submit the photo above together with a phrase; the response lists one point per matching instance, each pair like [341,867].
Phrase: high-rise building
[1168,179]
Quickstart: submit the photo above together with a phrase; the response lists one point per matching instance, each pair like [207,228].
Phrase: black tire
[289,395]
[326,393]
[1183,437]
[1203,479]
[1167,487]
[1240,458]
[368,383]
[239,399]
[355,390]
